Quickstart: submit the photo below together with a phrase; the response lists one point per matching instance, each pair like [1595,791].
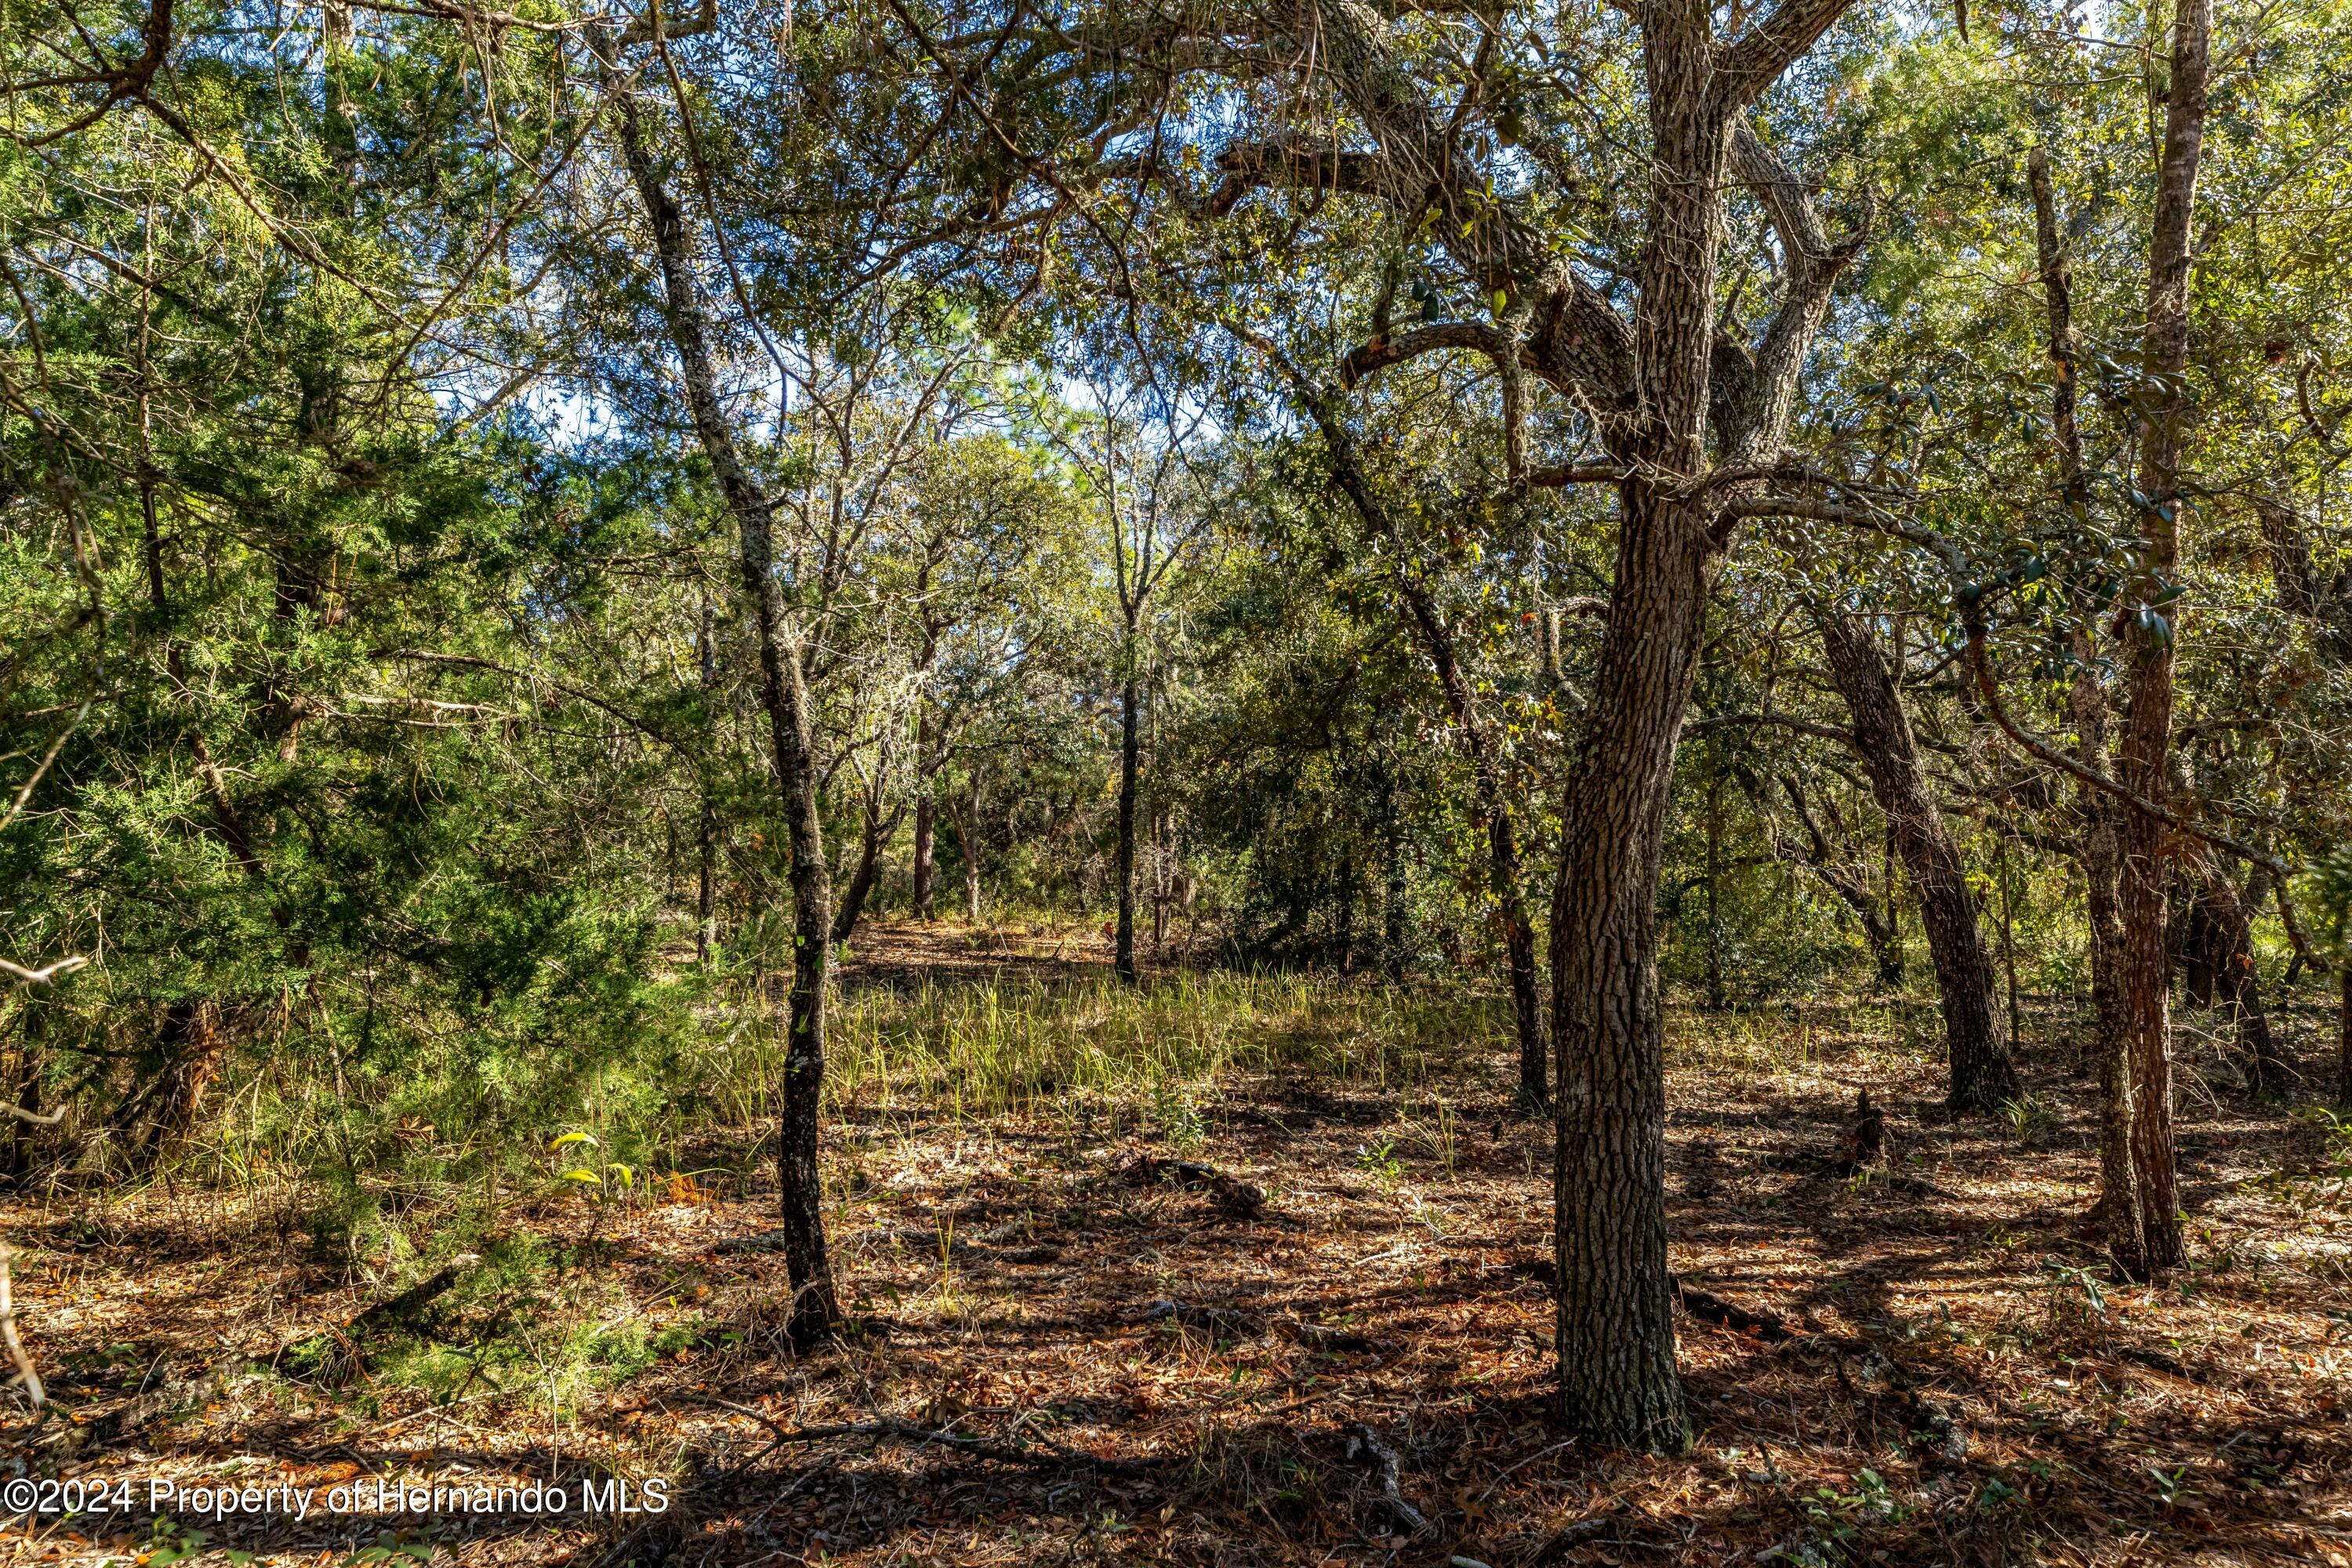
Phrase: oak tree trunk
[1616,1332]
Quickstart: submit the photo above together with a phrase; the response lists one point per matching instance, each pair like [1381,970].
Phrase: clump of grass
[1097,1050]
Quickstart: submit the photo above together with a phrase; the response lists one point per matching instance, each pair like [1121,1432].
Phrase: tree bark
[875,832]
[784,695]
[1616,1332]
[2144,982]
[1982,1076]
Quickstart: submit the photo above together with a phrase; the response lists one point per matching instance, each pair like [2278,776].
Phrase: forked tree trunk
[785,694]
[875,832]
[1981,1074]
[2144,980]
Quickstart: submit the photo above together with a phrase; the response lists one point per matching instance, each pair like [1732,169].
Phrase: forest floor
[1055,1364]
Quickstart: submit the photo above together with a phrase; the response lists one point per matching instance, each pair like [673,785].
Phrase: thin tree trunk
[967,835]
[2343,1033]
[2235,980]
[876,832]
[706,893]
[2008,941]
[925,811]
[1715,997]
[1493,806]
[1162,880]
[2144,981]
[1392,883]
[784,693]
[1130,761]
[1981,1074]
[2119,1202]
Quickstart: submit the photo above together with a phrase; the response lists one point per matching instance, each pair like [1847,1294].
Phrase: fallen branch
[1363,1443]
[1710,1308]
[1235,1197]
[1055,1455]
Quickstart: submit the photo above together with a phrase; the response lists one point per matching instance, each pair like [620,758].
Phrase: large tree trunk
[1981,1076]
[784,695]
[1616,1332]
[2144,982]
[1130,759]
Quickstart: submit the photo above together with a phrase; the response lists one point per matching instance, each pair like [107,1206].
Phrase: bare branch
[24,976]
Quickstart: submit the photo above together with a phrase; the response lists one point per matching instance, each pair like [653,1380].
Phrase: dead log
[1237,1198]
[340,1355]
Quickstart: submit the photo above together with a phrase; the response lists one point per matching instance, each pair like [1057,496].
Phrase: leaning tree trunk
[1981,1074]
[1616,1333]
[875,832]
[1494,805]
[1130,759]
[2144,982]
[1490,804]
[785,694]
